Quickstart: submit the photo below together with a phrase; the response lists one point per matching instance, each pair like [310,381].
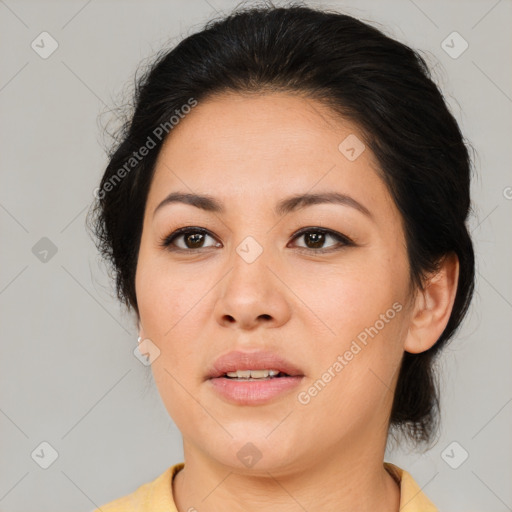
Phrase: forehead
[261,147]
[277,125]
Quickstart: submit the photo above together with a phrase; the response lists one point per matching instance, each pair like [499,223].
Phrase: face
[322,285]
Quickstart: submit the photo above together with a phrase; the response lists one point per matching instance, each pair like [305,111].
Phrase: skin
[249,152]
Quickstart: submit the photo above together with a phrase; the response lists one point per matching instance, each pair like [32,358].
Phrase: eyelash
[168,240]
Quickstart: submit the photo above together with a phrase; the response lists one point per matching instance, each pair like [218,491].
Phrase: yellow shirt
[156,496]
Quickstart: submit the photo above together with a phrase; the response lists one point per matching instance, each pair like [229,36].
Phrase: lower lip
[253,392]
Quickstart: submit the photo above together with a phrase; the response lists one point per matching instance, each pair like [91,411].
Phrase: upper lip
[239,360]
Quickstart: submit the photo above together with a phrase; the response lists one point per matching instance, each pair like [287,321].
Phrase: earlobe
[140,330]
[433,306]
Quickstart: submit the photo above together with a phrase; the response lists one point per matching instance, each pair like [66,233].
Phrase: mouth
[252,378]
[252,365]
[255,375]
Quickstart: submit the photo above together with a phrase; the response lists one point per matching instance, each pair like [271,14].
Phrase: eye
[315,239]
[192,238]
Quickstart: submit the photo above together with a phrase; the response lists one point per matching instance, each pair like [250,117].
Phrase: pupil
[316,238]
[195,240]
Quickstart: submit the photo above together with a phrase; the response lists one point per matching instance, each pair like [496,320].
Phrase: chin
[254,454]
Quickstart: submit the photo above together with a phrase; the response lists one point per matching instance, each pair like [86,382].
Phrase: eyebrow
[290,204]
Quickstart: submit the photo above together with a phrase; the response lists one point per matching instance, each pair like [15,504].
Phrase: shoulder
[154,496]
[412,498]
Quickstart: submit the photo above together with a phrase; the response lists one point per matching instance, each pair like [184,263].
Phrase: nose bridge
[251,249]
[249,262]
[251,293]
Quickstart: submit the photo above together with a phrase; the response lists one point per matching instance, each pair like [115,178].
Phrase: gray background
[68,375]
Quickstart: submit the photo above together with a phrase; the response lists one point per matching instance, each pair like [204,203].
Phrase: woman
[286,216]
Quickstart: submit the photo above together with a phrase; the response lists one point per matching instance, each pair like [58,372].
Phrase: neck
[353,478]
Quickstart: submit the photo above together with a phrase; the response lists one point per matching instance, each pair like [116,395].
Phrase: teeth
[253,374]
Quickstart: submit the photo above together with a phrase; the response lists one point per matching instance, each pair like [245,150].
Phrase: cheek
[366,308]
[166,301]
[352,295]
[167,296]
[362,304]
[174,307]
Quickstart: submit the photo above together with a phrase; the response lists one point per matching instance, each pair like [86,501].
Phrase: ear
[433,306]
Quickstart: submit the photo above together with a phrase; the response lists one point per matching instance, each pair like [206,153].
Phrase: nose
[252,295]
